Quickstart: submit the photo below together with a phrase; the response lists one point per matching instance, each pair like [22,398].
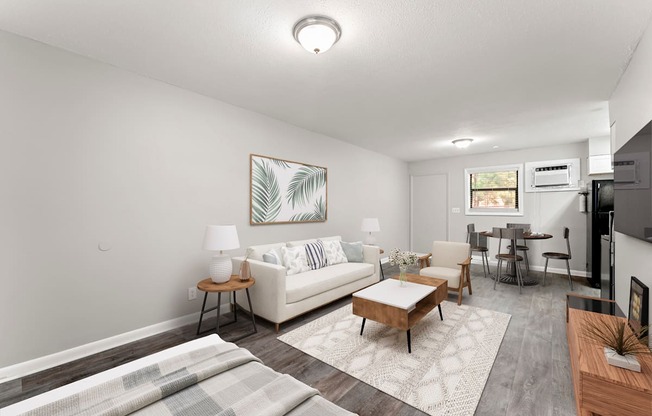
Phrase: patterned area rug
[444,375]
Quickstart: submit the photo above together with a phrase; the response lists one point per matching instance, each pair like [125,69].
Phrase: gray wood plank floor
[531,375]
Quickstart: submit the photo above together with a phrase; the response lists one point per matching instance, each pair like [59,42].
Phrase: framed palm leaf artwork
[285,192]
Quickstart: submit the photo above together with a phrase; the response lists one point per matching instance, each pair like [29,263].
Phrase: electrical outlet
[192,293]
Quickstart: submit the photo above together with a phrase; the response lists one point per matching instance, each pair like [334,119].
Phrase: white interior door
[429,219]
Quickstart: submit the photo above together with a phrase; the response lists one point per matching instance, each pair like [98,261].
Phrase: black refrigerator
[600,208]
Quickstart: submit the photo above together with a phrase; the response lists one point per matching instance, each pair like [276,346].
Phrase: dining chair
[478,244]
[521,245]
[449,260]
[512,235]
[559,256]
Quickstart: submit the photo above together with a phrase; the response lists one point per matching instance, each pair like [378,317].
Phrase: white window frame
[494,211]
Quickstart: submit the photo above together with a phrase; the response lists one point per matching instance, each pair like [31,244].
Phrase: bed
[206,376]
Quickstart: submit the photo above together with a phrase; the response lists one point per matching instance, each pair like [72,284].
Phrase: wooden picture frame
[639,301]
[286,192]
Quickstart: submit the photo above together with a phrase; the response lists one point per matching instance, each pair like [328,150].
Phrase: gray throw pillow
[353,251]
[270,258]
[273,256]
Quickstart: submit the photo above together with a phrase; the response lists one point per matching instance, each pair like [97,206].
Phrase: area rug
[446,371]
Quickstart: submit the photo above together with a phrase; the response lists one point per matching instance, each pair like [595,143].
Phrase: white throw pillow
[294,259]
[334,252]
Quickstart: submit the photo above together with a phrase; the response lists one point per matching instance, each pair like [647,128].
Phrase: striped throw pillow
[316,255]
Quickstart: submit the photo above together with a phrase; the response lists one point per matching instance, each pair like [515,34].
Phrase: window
[495,190]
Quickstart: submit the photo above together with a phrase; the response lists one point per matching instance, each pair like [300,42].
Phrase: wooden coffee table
[402,308]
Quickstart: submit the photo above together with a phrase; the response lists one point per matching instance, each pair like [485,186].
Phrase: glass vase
[402,278]
[245,271]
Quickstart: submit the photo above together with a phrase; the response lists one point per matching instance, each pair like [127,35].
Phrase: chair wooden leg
[545,271]
[570,280]
[459,294]
[277,327]
[527,261]
[468,279]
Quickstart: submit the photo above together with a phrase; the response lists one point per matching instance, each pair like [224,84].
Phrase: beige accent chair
[450,261]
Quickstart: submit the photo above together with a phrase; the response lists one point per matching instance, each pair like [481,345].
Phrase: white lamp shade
[221,237]
[370,225]
[317,38]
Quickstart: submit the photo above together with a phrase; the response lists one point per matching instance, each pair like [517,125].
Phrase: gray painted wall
[630,107]
[546,211]
[91,153]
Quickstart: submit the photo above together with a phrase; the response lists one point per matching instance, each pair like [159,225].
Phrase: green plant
[614,334]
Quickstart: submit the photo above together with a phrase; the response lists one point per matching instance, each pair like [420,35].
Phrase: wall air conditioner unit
[559,175]
[552,175]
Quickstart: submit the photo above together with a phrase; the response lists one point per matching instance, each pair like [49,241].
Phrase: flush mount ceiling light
[462,143]
[317,33]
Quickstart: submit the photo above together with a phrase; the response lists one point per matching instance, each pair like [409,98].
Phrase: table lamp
[370,225]
[221,237]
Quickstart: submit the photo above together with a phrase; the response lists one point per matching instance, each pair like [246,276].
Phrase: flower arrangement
[402,258]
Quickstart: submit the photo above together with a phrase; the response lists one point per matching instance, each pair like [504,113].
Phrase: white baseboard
[43,363]
[557,270]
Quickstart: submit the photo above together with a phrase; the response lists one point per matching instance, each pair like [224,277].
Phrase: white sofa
[278,297]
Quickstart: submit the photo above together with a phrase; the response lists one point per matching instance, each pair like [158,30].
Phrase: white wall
[630,107]
[90,153]
[546,211]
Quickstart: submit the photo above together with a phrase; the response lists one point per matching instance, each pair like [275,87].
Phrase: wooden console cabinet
[600,388]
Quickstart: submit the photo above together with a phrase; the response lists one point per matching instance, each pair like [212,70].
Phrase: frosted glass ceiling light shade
[462,143]
[218,238]
[317,33]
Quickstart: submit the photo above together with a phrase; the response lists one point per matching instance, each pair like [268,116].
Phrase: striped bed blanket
[221,379]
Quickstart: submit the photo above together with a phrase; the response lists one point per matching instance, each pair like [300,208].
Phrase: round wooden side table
[233,285]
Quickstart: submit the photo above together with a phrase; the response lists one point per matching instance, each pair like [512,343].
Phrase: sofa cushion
[304,285]
[353,251]
[316,255]
[297,243]
[334,252]
[294,259]
[274,256]
[452,275]
[258,251]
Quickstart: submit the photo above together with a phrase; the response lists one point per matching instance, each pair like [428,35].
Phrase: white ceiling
[405,79]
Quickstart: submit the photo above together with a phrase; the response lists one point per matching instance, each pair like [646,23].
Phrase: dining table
[509,276]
